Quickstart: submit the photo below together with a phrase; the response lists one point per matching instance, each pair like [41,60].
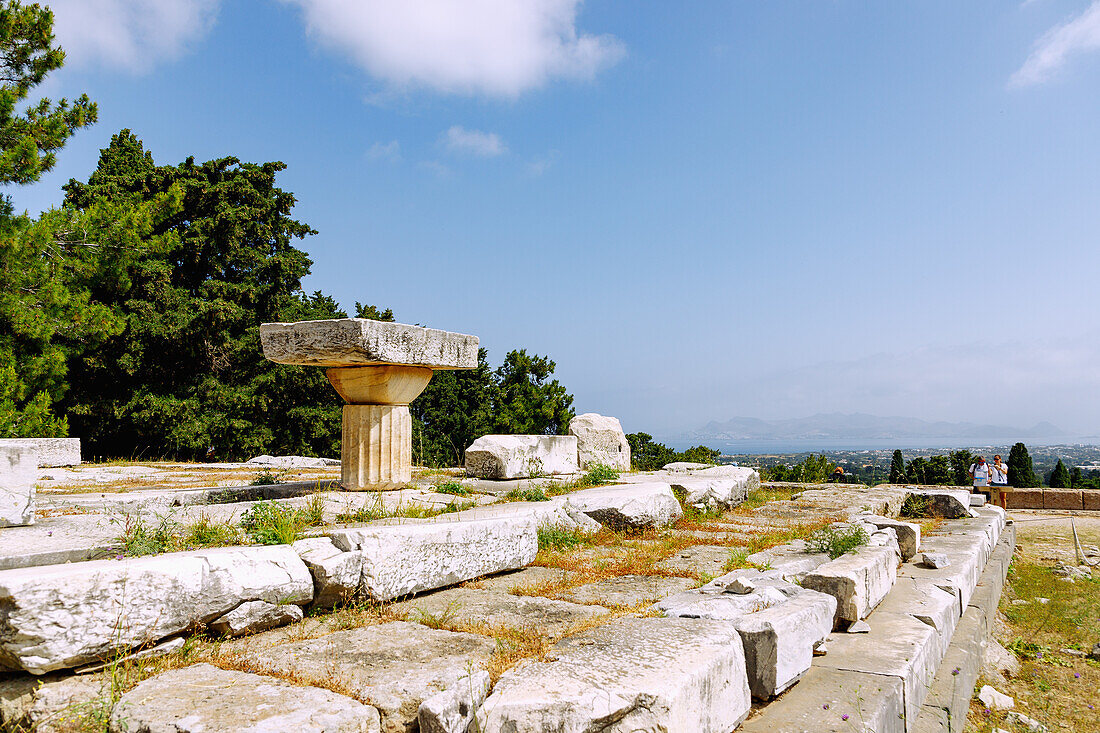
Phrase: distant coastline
[784,445]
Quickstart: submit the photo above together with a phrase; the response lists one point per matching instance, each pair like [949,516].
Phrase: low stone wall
[1071,499]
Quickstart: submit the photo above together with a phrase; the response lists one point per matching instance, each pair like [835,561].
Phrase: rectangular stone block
[858,580]
[630,507]
[634,674]
[402,559]
[521,456]
[360,342]
[897,645]
[62,616]
[50,451]
[1024,498]
[1062,499]
[835,701]
[1090,499]
[18,473]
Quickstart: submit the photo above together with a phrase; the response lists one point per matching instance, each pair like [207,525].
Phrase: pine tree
[1060,478]
[897,468]
[1021,473]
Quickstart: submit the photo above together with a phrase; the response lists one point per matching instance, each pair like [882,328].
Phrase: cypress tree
[1021,473]
[1059,478]
[897,468]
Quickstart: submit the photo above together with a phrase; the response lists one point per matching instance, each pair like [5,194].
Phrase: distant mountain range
[838,426]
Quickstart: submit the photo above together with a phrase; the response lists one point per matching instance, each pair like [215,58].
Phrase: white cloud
[441,170]
[461,141]
[493,47]
[129,34]
[385,151]
[1056,46]
[540,165]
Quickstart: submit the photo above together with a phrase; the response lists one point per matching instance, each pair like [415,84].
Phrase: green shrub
[599,475]
[272,523]
[452,487]
[837,541]
[551,538]
[533,494]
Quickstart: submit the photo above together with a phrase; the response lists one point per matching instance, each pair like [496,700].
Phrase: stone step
[858,580]
[494,608]
[203,698]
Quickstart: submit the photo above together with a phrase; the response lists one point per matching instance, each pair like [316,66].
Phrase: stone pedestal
[378,368]
[376,447]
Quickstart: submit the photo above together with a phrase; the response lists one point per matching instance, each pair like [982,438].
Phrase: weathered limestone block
[779,622]
[633,506]
[359,341]
[18,472]
[521,456]
[943,502]
[600,441]
[858,580]
[907,533]
[203,698]
[337,574]
[401,559]
[396,666]
[634,674]
[62,616]
[253,616]
[50,704]
[452,711]
[375,447]
[716,493]
[49,451]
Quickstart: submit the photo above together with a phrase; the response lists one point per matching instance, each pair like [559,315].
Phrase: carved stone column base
[376,450]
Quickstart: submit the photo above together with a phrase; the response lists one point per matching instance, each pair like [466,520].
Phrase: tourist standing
[979,472]
[998,479]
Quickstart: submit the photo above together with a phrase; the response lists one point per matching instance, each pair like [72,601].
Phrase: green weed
[837,541]
[452,487]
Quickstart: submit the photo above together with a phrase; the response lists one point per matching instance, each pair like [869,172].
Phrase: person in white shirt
[979,472]
[998,479]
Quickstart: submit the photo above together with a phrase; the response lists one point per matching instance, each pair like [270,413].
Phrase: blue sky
[698,210]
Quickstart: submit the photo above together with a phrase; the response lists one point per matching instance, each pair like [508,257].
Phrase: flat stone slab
[779,622]
[697,560]
[790,559]
[62,616]
[395,666]
[634,674]
[494,608]
[630,507]
[203,698]
[18,472]
[363,342]
[526,578]
[834,701]
[504,457]
[627,590]
[858,580]
[49,704]
[49,451]
[402,559]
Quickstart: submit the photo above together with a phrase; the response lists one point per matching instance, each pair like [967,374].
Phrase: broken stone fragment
[994,699]
[203,698]
[454,709]
[600,441]
[934,560]
[908,533]
[255,616]
[860,627]
[18,472]
[740,586]
[337,574]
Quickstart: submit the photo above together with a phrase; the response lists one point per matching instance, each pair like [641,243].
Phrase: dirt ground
[1048,624]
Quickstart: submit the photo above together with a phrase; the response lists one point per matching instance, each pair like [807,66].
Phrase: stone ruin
[888,637]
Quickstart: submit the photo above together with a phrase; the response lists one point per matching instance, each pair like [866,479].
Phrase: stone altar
[378,368]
